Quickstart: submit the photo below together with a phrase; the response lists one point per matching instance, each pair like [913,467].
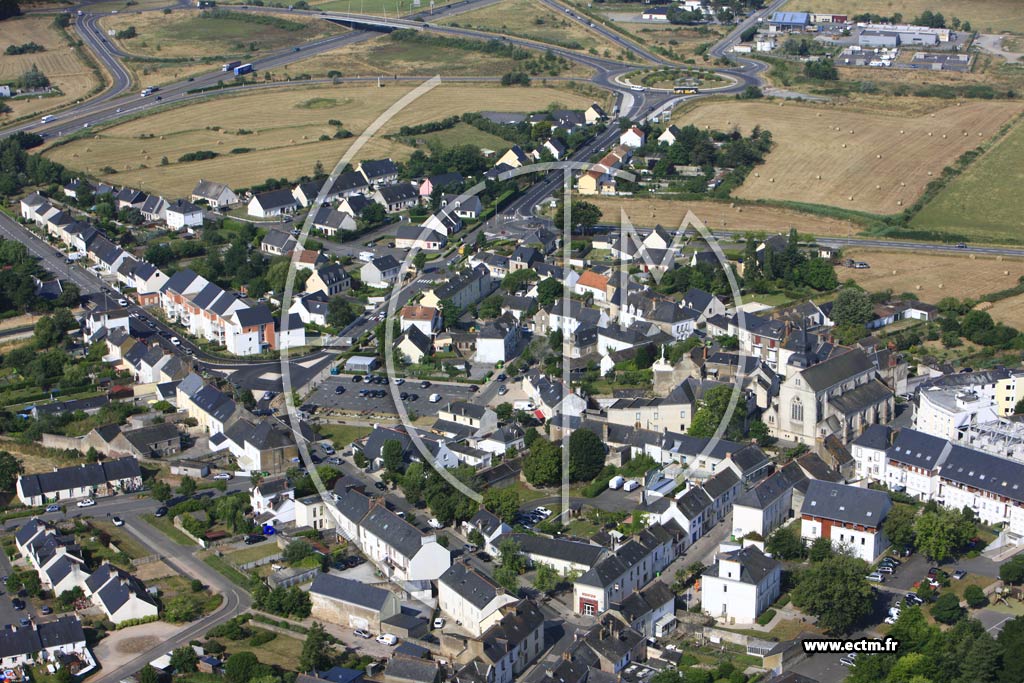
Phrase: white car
[360,633]
[543,512]
[175,341]
[117,521]
[387,639]
[399,381]
[87,503]
[439,622]
[222,475]
[433,523]
[122,302]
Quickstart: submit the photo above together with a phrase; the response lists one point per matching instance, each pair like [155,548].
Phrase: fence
[245,566]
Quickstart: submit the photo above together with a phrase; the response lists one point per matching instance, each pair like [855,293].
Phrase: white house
[182,215]
[497,340]
[425,318]
[740,585]
[632,137]
[629,568]
[214,194]
[381,272]
[88,480]
[763,508]
[272,203]
[471,598]
[849,516]
[121,596]
[44,644]
[273,501]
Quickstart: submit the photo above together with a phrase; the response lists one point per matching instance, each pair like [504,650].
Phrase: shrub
[766,617]
[975,597]
[261,638]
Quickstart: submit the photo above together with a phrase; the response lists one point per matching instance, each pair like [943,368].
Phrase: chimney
[788,328]
[704,352]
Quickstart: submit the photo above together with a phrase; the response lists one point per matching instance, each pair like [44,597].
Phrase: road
[184,561]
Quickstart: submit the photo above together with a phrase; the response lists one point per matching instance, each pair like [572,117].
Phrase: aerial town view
[486,341]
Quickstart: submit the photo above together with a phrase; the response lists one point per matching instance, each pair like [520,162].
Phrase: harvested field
[281,128]
[989,16]
[531,20]
[1009,311]
[194,35]
[932,276]
[59,62]
[153,570]
[985,201]
[722,216]
[865,162]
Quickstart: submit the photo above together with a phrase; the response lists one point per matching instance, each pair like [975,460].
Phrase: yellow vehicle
[686,90]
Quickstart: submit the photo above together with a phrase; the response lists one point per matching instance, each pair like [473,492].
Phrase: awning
[539,414]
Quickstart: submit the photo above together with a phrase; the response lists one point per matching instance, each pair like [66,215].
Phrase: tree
[543,465]
[160,490]
[981,665]
[835,591]
[490,307]
[547,578]
[1011,638]
[899,526]
[242,667]
[712,412]
[149,675]
[318,652]
[548,291]
[785,544]
[518,279]
[181,608]
[187,486]
[10,469]
[184,660]
[1012,571]
[586,455]
[947,609]
[503,502]
[941,532]
[393,457]
[852,307]
[822,69]
[759,432]
[340,312]
[511,565]
[419,260]
[975,596]
[583,216]
[296,551]
[504,411]
[821,549]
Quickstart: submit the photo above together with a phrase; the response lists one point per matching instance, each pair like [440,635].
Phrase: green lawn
[252,553]
[464,134]
[121,539]
[283,651]
[985,202]
[343,435]
[227,570]
[168,529]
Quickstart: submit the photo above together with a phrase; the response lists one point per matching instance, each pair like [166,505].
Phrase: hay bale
[893,272]
[851,197]
[941,285]
[899,202]
[844,145]
[878,156]
[918,287]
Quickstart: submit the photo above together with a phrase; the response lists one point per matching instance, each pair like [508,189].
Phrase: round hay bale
[878,187]
[899,202]
[901,132]
[844,145]
[851,197]
[943,136]
[771,180]
[932,115]
[999,257]
[220,142]
[88,149]
[893,272]
[161,137]
[918,287]
[929,173]
[902,184]
[819,177]
[818,114]
[852,132]
[1006,272]
[941,285]
[929,133]
[878,156]
[980,135]
[757,175]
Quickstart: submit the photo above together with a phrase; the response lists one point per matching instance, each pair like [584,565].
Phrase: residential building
[632,137]
[378,172]
[740,585]
[272,203]
[763,508]
[332,221]
[463,290]
[88,480]
[216,195]
[425,318]
[329,280]
[58,643]
[471,598]
[183,215]
[381,272]
[419,237]
[353,604]
[396,197]
[497,340]
[849,516]
[628,568]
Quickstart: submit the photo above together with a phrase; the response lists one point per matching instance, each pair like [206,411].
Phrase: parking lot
[350,401]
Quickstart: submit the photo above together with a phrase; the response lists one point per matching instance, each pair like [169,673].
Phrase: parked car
[399,381]
[328,449]
[876,577]
[339,390]
[334,461]
[117,521]
[175,341]
[959,574]
[360,633]
[87,503]
[502,390]
[24,621]
[253,539]
[380,486]
[357,379]
[387,639]
[434,523]
[46,609]
[18,605]
[846,661]
[160,512]
[473,388]
[469,548]
[913,599]
[439,622]
[425,384]
[53,508]
[886,569]
[222,475]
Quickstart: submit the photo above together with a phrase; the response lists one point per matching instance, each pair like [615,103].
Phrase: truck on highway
[230,66]
[243,69]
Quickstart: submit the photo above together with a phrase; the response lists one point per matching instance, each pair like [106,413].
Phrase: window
[797,411]
[725,589]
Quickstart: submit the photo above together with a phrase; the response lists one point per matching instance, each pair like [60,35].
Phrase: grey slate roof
[347,590]
[398,533]
[844,503]
[837,369]
[558,548]
[754,565]
[769,490]
[475,587]
[90,474]
[875,437]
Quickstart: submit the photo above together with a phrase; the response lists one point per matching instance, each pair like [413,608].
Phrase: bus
[686,90]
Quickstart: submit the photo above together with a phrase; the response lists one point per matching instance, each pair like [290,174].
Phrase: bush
[766,617]
[200,155]
[975,597]
[261,638]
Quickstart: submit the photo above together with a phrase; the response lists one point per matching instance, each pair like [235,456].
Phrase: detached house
[463,207]
[849,516]
[632,137]
[278,243]
[381,272]
[216,195]
[740,585]
[378,172]
[272,203]
[329,280]
[396,197]
[182,215]
[331,221]
[427,319]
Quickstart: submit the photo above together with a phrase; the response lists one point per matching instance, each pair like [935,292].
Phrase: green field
[985,202]
[252,553]
[463,134]
[343,435]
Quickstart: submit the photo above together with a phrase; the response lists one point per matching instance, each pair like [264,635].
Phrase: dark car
[404,396]
[18,605]
[339,390]
[252,539]
[46,609]
[484,557]
[379,485]
[473,388]
[160,512]
[424,384]
[502,377]
[357,378]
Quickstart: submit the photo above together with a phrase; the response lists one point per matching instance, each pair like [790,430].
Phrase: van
[637,88]
[48,118]
[631,485]
[434,398]
[616,482]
